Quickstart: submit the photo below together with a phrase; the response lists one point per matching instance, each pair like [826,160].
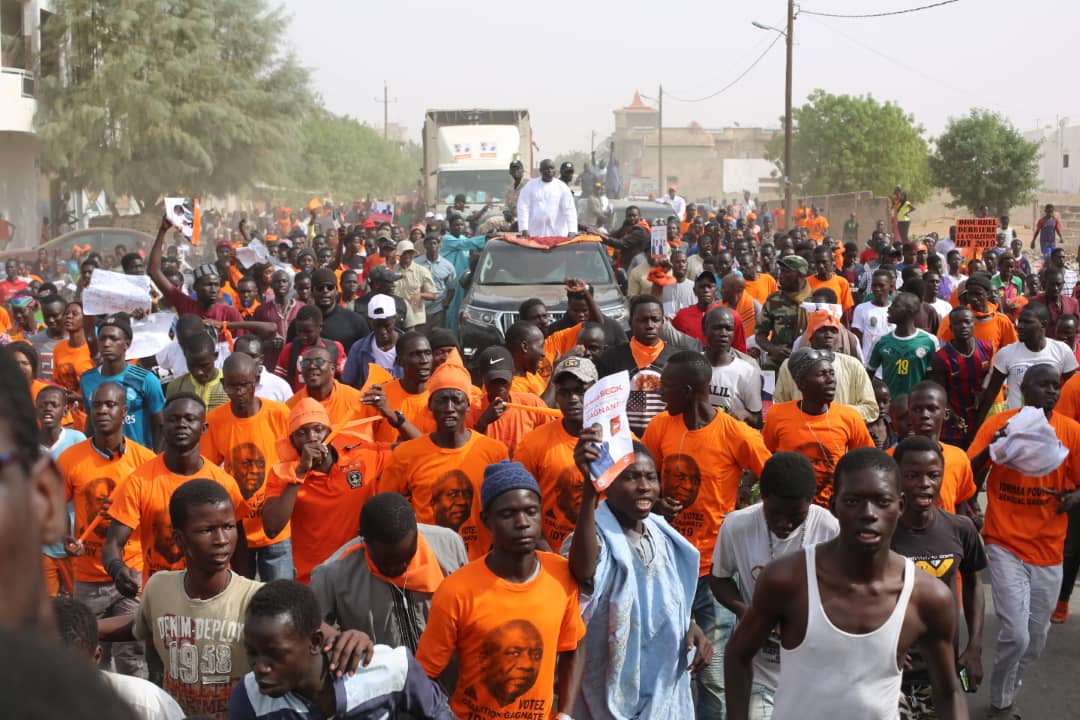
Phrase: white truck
[468,152]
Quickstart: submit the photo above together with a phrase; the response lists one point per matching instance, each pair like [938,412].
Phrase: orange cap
[661,278]
[451,375]
[819,319]
[305,412]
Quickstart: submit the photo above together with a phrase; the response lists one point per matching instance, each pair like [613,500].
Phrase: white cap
[405,246]
[439,217]
[381,306]
[429,215]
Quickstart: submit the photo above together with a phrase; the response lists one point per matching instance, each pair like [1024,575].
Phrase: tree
[349,160]
[982,159]
[578,157]
[188,97]
[850,144]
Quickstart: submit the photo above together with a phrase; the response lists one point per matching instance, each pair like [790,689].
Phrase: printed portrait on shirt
[451,499]
[248,467]
[568,491]
[91,498]
[164,545]
[66,377]
[681,479]
[510,658]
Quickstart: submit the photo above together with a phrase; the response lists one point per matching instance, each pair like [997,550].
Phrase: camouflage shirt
[782,319]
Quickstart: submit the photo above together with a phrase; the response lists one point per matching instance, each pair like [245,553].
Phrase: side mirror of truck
[466,279]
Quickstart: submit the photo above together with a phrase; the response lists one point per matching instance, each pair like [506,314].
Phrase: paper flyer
[112,292]
[185,216]
[605,405]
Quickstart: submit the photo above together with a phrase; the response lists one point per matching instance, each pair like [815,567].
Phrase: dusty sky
[572,62]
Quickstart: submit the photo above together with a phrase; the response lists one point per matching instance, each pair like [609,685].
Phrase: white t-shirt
[677,296]
[1014,360]
[873,322]
[271,387]
[144,697]
[736,386]
[384,358]
[942,307]
[172,358]
[743,549]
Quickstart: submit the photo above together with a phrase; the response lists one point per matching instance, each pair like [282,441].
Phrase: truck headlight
[616,312]
[478,316]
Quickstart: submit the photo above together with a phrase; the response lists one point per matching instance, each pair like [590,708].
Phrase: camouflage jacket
[782,319]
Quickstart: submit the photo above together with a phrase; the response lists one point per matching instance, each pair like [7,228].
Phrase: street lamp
[788,36]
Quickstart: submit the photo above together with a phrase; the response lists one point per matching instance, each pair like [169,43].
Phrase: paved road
[1052,687]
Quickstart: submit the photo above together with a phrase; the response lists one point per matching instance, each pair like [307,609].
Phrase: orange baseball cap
[819,319]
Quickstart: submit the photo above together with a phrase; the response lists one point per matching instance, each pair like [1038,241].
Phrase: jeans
[274,562]
[761,702]
[1023,600]
[1072,556]
[104,600]
[434,320]
[717,622]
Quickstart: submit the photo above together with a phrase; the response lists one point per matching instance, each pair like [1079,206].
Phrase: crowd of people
[309,504]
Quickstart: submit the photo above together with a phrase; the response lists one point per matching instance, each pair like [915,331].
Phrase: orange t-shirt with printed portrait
[507,637]
[701,469]
[838,285]
[340,404]
[443,484]
[548,454]
[957,482]
[327,510]
[246,448]
[514,424]
[89,478]
[142,504]
[1020,517]
[761,287]
[70,363]
[822,439]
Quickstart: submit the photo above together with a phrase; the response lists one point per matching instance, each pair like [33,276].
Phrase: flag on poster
[605,405]
[185,215]
[381,211]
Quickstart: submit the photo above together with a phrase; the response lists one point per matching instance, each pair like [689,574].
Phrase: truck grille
[509,318]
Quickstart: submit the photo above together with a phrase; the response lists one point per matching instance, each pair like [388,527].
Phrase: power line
[882,14]
[733,82]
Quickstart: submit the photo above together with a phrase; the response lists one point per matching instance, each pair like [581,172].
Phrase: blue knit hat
[503,477]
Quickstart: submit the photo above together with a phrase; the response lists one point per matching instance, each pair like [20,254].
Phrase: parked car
[511,270]
[103,240]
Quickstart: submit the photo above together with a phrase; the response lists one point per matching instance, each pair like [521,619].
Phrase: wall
[1055,143]
[838,208]
[19,188]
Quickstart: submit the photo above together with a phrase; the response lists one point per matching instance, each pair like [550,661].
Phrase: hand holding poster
[605,405]
[185,215]
[659,240]
[112,292]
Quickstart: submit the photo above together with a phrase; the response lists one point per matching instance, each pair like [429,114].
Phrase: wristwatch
[563,716]
[397,422]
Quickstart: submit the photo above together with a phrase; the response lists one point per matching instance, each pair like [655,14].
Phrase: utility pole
[789,216]
[660,144]
[386,110]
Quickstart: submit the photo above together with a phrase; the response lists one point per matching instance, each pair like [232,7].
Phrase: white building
[24,196]
[1059,161]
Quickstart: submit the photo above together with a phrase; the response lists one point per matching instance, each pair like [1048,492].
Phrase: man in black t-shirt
[941,544]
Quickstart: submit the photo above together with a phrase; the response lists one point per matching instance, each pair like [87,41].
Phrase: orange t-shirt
[745,310]
[645,355]
[838,285]
[1069,402]
[413,406]
[529,383]
[340,404]
[701,469]
[90,477]
[761,287]
[246,448]
[506,635]
[444,484]
[993,328]
[514,423]
[70,363]
[556,345]
[548,453]
[816,227]
[822,439]
[5,319]
[143,503]
[957,482]
[1019,517]
[327,510]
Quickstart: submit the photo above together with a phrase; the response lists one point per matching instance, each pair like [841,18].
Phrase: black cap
[566,166]
[495,363]
[118,320]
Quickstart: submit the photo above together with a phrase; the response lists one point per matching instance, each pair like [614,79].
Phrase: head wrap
[805,358]
[502,477]
[451,375]
[307,411]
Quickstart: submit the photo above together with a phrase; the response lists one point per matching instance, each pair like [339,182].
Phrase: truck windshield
[478,186]
[507,264]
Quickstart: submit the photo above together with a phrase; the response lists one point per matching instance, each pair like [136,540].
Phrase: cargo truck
[469,152]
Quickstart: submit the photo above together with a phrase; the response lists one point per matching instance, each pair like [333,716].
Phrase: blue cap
[502,477]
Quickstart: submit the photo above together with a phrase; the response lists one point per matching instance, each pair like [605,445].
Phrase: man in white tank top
[848,610]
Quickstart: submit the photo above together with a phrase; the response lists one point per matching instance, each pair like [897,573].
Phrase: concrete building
[1059,162]
[24,195]
[703,162]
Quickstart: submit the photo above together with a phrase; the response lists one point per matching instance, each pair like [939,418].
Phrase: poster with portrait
[659,240]
[381,211]
[605,405]
[185,216]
